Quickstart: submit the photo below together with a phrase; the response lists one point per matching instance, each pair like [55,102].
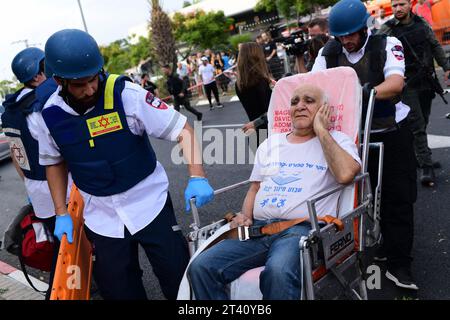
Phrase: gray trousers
[420,103]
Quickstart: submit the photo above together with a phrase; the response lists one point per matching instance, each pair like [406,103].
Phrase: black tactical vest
[369,69]
[417,49]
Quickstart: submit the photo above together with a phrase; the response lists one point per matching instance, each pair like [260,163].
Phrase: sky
[36,20]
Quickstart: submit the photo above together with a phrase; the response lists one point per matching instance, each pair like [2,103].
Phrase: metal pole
[82,15]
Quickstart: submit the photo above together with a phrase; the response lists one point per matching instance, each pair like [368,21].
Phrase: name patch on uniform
[397,51]
[155,102]
[106,123]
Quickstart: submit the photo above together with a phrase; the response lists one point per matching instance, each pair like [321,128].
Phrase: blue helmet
[25,64]
[346,17]
[73,54]
[48,71]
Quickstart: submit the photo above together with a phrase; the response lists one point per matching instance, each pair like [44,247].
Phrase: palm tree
[161,33]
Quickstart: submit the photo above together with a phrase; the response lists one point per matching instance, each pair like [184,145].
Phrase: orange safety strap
[274,228]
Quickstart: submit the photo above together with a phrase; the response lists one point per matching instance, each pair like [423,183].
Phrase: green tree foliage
[121,54]
[239,38]
[186,4]
[140,50]
[8,87]
[202,30]
[266,5]
[308,6]
[288,7]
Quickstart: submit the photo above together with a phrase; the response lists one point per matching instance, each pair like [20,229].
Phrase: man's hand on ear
[321,120]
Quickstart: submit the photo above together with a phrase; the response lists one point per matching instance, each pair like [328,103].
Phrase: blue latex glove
[201,190]
[63,225]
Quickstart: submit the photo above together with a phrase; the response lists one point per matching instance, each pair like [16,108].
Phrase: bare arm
[341,164]
[390,87]
[300,62]
[57,182]
[274,52]
[16,165]
[246,215]
[249,201]
[191,151]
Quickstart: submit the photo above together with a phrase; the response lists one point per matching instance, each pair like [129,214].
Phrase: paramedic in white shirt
[379,62]
[96,125]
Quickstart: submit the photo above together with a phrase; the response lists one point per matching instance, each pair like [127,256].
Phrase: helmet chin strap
[102,76]
[363,35]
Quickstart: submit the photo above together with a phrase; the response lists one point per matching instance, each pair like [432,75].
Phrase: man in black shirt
[270,52]
[148,85]
[178,90]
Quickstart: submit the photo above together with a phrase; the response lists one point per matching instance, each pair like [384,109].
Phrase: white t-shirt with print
[291,173]
[207,73]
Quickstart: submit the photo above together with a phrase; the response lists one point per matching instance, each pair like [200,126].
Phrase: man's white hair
[324,97]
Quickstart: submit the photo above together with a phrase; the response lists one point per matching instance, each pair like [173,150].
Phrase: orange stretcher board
[73,271]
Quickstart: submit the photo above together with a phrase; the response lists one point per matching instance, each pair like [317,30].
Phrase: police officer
[421,46]
[96,125]
[378,60]
[19,118]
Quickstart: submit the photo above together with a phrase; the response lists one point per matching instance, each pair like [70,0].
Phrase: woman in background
[253,85]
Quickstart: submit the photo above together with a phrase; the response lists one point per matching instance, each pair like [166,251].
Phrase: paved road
[431,249]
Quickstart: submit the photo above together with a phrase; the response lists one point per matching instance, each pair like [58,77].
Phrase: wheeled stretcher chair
[332,253]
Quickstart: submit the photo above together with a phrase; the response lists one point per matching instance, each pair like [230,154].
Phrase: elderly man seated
[289,169]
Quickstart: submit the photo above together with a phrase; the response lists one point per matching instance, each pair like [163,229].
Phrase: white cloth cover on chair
[184,292]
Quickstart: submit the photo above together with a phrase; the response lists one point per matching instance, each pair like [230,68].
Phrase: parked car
[4,147]
[4,144]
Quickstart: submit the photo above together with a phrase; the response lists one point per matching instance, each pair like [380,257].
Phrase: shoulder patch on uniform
[397,51]
[155,102]
[19,152]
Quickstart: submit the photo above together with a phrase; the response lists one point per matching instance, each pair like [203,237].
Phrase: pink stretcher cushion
[344,95]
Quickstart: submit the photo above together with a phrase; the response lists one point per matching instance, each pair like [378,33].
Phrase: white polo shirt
[395,64]
[139,206]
